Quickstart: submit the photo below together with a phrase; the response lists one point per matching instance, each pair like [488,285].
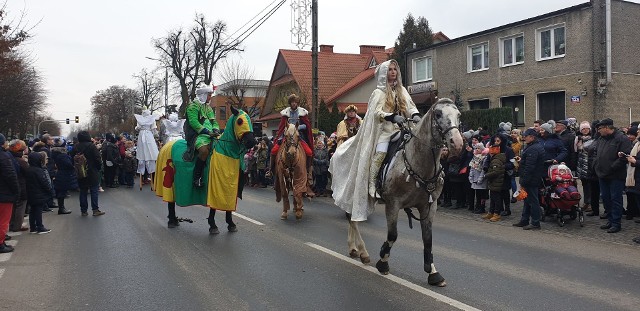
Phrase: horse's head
[446,119]
[242,128]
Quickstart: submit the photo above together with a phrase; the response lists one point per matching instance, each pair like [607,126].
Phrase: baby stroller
[560,195]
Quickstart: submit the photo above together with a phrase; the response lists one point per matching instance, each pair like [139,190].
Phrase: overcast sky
[82,46]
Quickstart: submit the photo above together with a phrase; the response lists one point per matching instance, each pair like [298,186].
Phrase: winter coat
[261,159]
[130,164]
[457,163]
[531,165]
[607,164]
[554,148]
[110,152]
[94,162]
[636,176]
[22,174]
[495,173]
[477,176]
[320,161]
[65,178]
[9,186]
[586,156]
[38,183]
[568,138]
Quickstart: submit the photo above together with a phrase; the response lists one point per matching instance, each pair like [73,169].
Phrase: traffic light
[77,119]
[67,120]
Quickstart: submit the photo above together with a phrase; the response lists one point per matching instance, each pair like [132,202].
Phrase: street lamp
[166,85]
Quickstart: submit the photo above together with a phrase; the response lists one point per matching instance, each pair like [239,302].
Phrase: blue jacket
[65,178]
[531,164]
[554,148]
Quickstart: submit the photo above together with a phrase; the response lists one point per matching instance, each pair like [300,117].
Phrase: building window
[551,106]
[372,63]
[478,57]
[516,103]
[223,113]
[422,69]
[479,104]
[550,42]
[512,51]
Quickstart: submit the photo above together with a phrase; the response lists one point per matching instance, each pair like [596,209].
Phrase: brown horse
[291,173]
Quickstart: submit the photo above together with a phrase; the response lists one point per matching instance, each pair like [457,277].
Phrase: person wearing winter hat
[91,183]
[65,178]
[348,127]
[17,148]
[611,167]
[9,191]
[554,148]
[583,147]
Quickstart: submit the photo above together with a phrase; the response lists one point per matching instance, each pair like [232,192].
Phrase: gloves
[205,131]
[215,133]
[416,118]
[394,118]
[302,127]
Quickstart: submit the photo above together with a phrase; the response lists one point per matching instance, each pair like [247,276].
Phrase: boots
[61,209]
[488,216]
[496,217]
[197,173]
[376,162]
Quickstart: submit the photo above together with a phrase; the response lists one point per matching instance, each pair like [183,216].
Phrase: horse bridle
[428,185]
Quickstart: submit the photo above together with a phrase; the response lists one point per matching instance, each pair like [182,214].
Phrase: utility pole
[314,62]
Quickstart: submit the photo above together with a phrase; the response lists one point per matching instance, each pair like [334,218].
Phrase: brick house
[551,66]
[342,79]
[252,93]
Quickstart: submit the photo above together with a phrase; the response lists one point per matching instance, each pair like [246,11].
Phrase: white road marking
[450,301]
[249,219]
[6,256]
[1,273]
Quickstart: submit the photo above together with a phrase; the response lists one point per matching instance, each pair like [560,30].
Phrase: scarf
[631,170]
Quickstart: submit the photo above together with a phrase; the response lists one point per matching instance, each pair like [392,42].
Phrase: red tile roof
[355,82]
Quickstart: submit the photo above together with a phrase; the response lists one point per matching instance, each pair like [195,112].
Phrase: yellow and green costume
[201,116]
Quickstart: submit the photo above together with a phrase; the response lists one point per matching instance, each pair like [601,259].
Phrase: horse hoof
[383,267]
[284,216]
[232,228]
[436,279]
[214,230]
[299,215]
[353,253]
[365,259]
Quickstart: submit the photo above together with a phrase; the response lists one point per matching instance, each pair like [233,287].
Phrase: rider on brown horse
[298,116]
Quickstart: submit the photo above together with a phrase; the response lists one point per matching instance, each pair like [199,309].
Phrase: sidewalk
[591,229]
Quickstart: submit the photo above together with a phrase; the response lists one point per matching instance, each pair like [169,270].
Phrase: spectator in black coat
[532,159]
[92,182]
[65,178]
[9,192]
[568,137]
[611,167]
[40,190]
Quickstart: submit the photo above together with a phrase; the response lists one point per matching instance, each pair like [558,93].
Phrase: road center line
[249,219]
[450,301]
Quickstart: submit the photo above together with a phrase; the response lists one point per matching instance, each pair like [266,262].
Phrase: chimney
[367,49]
[326,48]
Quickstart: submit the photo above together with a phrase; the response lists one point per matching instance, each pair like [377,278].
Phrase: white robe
[173,130]
[351,162]
[147,149]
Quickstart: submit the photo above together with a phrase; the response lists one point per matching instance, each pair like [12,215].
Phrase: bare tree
[111,109]
[193,56]
[238,81]
[149,91]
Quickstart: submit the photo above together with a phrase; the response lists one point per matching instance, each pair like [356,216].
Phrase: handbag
[109,163]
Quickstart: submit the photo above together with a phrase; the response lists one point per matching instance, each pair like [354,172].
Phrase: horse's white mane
[291,130]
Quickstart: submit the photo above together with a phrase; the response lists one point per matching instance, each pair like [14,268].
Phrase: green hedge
[486,118]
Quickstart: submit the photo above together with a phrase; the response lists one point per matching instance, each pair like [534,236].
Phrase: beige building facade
[553,66]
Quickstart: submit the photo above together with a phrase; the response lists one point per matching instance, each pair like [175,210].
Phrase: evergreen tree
[413,31]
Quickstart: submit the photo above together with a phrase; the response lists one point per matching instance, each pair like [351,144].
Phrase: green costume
[201,116]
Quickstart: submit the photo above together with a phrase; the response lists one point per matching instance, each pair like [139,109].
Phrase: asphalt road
[129,260]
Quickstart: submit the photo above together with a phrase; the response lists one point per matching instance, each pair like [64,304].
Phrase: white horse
[414,180]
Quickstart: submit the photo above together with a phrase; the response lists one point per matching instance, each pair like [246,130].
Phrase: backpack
[80,165]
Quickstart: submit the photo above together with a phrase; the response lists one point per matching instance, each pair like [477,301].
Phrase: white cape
[349,166]
[147,149]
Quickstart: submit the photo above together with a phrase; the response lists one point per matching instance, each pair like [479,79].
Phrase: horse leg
[285,206]
[297,205]
[359,248]
[213,229]
[392,236]
[229,219]
[140,181]
[426,225]
[351,243]
[173,220]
